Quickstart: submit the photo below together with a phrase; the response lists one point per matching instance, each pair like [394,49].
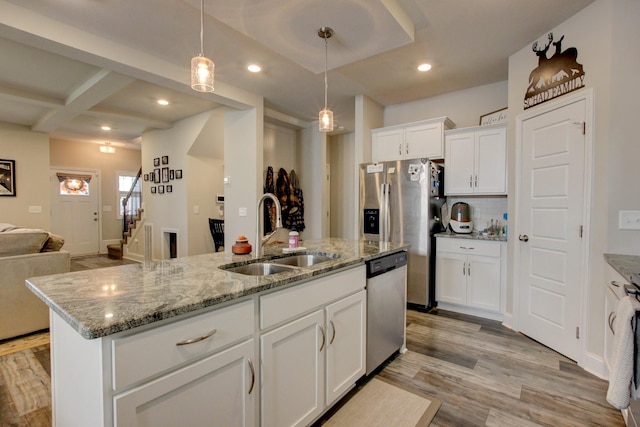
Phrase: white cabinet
[197,371]
[476,159]
[470,276]
[614,292]
[410,141]
[311,360]
[219,390]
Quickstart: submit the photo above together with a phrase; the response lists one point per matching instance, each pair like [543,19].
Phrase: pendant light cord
[201,27]
[326,85]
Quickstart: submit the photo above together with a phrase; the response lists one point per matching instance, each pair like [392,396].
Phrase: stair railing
[131,203]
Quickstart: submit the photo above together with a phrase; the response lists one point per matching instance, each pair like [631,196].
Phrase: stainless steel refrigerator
[400,201]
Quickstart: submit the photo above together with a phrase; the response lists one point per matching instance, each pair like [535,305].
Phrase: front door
[552,194]
[74,210]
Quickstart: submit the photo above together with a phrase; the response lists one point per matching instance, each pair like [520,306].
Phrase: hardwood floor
[485,375]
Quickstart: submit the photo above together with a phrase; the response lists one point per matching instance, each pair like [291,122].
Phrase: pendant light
[325,118]
[201,66]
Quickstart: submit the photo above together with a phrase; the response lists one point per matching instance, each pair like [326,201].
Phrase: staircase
[129,220]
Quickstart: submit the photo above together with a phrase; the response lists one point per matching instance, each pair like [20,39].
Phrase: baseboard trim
[595,365]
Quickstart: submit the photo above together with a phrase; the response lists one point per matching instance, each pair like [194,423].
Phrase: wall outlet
[629,220]
[242,211]
[196,209]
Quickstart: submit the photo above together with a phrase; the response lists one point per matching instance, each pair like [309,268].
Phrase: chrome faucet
[260,240]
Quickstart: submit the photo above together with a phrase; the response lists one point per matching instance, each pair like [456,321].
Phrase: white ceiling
[52,81]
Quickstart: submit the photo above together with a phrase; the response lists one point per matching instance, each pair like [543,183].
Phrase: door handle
[523,238]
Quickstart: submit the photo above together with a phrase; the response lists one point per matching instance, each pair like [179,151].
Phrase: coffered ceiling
[71,66]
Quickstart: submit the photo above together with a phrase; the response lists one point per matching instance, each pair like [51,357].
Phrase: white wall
[312,155]
[280,148]
[605,35]
[342,158]
[30,150]
[463,107]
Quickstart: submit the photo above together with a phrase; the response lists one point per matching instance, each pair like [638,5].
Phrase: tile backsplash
[483,209]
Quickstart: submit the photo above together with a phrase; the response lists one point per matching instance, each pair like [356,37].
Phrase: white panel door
[424,141]
[74,210]
[551,209]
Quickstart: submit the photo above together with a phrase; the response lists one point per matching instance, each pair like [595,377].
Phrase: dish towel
[621,386]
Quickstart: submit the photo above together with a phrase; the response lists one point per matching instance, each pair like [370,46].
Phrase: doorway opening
[170,243]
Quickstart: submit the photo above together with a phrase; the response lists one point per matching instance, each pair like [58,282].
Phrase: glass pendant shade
[202,69]
[325,120]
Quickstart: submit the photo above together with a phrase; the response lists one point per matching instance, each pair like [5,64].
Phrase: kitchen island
[183,342]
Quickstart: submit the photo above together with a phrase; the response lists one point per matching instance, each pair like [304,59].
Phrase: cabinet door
[610,305]
[387,145]
[483,282]
[346,344]
[424,141]
[293,372]
[460,163]
[491,161]
[451,278]
[219,390]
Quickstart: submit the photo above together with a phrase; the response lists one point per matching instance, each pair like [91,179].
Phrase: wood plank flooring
[485,375]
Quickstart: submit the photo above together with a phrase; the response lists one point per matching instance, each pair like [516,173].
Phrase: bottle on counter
[504,216]
[294,239]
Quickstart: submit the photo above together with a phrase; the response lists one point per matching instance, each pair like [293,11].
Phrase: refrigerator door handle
[384,212]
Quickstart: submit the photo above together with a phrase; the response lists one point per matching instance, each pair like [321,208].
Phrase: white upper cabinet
[410,141]
[476,160]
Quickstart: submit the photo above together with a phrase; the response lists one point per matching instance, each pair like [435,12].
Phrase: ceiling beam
[97,88]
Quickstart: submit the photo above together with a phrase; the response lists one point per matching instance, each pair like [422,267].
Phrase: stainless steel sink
[305,260]
[259,269]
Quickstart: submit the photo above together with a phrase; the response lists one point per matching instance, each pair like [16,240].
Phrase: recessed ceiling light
[254,68]
[105,127]
[163,102]
[424,67]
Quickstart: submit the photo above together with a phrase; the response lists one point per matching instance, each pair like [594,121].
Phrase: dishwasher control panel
[386,263]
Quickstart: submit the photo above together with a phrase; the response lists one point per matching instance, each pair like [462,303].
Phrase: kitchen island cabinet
[116,337]
[470,276]
[311,361]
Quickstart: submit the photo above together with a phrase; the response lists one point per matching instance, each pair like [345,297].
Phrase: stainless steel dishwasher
[386,307]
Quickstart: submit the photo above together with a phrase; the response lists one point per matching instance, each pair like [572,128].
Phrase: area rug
[383,403]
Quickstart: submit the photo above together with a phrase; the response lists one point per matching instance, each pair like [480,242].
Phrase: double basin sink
[262,267]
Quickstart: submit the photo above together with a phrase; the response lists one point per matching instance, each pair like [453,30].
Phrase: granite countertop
[473,236]
[626,265]
[101,302]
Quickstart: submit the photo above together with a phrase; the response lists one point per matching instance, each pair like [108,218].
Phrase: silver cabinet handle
[406,148]
[476,180]
[612,318]
[333,328]
[614,283]
[253,375]
[463,268]
[323,338]
[198,339]
[400,149]
[469,270]
[471,181]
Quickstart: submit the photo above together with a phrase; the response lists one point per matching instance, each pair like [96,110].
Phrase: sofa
[26,253]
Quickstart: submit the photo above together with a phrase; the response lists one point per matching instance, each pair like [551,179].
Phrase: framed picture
[146,177]
[153,190]
[172,174]
[165,174]
[165,160]
[7,178]
[498,116]
[156,161]
[178,173]
[156,176]
[160,189]
[169,188]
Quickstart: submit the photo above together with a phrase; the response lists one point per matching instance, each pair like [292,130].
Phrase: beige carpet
[382,403]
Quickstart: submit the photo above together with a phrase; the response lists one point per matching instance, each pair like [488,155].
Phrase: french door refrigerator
[400,202]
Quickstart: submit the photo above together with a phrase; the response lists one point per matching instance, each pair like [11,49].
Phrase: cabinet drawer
[469,246]
[292,302]
[142,355]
